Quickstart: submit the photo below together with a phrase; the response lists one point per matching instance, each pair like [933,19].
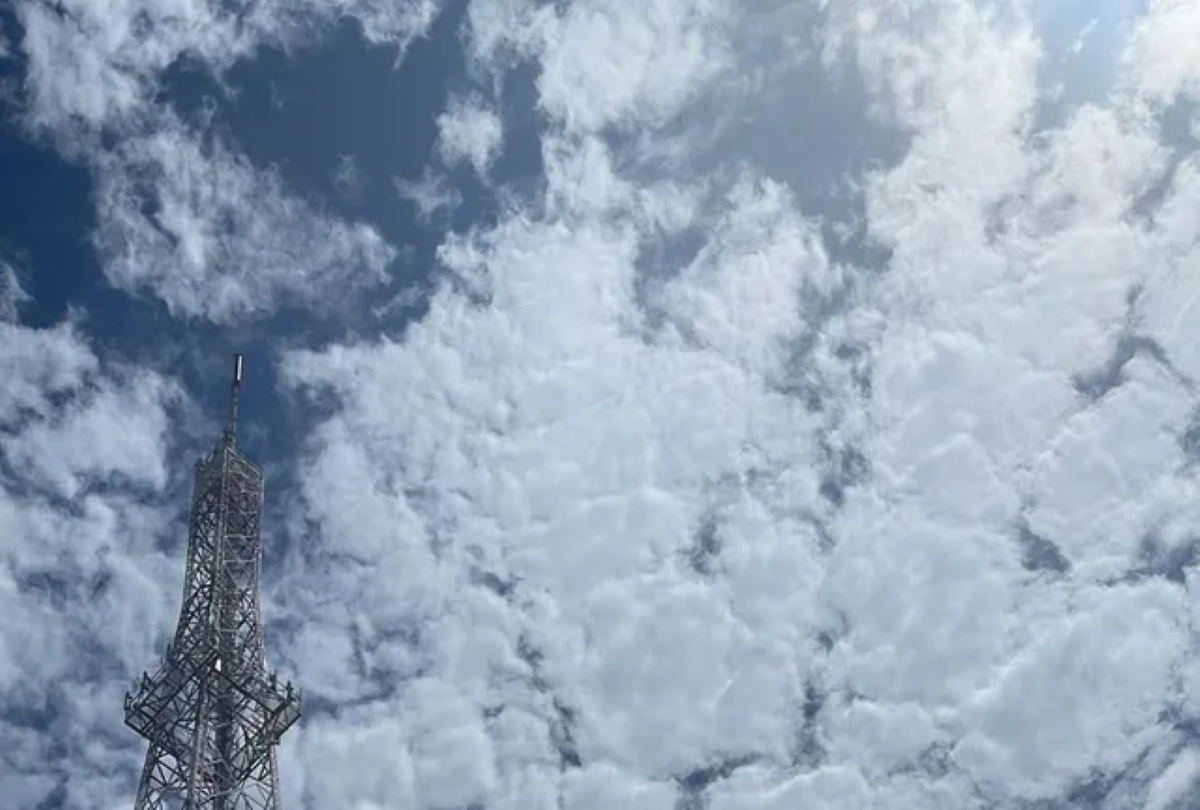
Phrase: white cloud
[1172,296]
[581,180]
[826,789]
[96,63]
[471,132]
[635,466]
[61,364]
[1042,304]
[499,30]
[349,180]
[600,786]
[567,452]
[607,63]
[740,295]
[1162,59]
[431,196]
[120,434]
[619,64]
[1038,726]
[216,238]
[659,500]
[83,588]
[12,294]
[228,242]
[1173,785]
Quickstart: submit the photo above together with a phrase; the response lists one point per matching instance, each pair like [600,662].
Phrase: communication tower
[212,712]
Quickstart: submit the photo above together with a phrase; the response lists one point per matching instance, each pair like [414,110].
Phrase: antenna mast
[235,393]
[213,712]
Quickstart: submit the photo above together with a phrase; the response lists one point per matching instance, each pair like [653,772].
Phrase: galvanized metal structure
[212,712]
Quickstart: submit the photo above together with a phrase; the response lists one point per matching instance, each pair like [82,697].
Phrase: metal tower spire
[212,712]
[235,393]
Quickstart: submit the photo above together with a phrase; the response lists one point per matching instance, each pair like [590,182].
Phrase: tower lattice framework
[212,712]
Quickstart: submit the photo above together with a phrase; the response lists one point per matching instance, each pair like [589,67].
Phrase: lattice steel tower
[212,712]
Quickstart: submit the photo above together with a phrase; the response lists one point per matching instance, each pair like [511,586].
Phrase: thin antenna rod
[234,395]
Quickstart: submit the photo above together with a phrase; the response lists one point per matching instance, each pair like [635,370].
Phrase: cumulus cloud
[743,526]
[614,64]
[661,505]
[84,588]
[551,471]
[1086,449]
[736,298]
[1173,785]
[1161,62]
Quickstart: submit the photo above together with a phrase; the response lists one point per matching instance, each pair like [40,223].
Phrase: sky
[673,405]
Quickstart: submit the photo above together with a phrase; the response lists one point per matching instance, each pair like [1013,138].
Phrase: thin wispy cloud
[431,196]
[12,294]
[184,218]
[471,133]
[213,237]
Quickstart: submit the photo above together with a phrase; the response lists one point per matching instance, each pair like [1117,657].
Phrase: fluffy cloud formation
[84,586]
[735,527]
[544,529]
[1162,62]
[660,504]
[605,64]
